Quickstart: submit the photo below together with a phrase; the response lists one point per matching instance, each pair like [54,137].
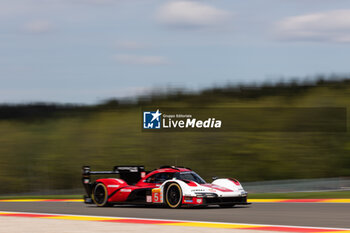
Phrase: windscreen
[189,176]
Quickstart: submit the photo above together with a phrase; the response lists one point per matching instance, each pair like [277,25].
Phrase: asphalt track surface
[293,214]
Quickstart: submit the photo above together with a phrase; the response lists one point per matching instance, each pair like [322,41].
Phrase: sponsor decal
[199,200]
[125,190]
[130,169]
[188,199]
[148,198]
[113,186]
[197,190]
[156,196]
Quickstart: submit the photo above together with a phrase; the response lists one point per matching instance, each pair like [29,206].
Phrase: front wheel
[173,195]
[100,195]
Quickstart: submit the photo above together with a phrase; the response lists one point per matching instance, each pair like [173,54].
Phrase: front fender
[229,183]
[185,188]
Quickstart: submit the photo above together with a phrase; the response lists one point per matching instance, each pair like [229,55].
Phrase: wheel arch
[105,202]
[111,184]
[165,195]
[229,183]
[184,187]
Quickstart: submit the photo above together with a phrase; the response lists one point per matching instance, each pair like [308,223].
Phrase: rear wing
[130,174]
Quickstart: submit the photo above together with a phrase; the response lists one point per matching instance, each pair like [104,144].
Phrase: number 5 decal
[156,196]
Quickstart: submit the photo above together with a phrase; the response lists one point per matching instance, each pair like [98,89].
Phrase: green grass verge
[301,195]
[297,195]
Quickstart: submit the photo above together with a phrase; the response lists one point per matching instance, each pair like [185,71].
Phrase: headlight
[208,195]
[243,193]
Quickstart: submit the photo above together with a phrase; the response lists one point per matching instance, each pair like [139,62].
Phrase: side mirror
[214,178]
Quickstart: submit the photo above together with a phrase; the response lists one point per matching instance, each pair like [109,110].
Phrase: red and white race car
[168,185]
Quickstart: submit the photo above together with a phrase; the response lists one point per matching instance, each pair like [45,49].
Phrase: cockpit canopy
[159,178]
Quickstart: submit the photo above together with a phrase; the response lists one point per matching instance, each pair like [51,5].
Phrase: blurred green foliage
[43,147]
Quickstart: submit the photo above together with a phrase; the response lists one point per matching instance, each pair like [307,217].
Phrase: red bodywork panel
[119,190]
[113,185]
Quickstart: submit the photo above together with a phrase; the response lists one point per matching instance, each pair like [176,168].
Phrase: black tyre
[227,205]
[173,195]
[100,195]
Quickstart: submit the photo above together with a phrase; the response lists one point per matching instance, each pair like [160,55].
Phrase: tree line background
[43,146]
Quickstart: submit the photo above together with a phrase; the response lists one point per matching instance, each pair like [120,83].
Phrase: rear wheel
[227,205]
[173,196]
[100,195]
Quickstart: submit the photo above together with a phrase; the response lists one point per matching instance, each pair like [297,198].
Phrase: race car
[169,186]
